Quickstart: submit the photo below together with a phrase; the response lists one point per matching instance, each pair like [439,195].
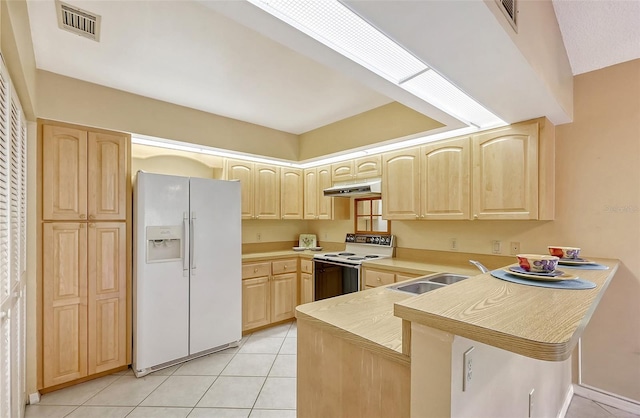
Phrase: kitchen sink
[427,284]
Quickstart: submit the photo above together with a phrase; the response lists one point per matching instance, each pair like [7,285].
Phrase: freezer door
[216,264]
[160,283]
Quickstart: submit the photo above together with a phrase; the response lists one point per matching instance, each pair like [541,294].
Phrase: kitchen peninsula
[382,353]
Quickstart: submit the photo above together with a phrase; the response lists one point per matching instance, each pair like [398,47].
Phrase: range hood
[368,188]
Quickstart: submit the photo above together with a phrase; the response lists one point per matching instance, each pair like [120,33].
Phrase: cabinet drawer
[284,266]
[306,266]
[255,270]
[378,278]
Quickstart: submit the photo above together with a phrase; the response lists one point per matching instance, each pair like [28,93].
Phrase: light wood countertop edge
[250,257]
[355,339]
[534,349]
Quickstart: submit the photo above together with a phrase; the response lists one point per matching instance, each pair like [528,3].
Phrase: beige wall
[177,166]
[383,123]
[75,101]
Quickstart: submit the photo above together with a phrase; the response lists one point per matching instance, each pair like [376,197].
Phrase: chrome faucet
[479,265]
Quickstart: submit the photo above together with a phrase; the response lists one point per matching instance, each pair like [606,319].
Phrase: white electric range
[337,273]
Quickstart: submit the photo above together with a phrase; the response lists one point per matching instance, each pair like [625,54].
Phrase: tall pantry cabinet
[85,261]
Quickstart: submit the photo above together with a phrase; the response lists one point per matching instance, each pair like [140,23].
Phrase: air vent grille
[78,21]
[510,11]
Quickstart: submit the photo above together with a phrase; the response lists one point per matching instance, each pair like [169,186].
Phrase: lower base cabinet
[269,292]
[306,281]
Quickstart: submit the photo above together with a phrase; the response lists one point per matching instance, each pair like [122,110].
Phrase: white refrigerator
[187,284]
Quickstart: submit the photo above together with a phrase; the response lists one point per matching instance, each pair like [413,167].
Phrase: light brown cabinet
[260,188]
[84,299]
[86,253]
[316,205]
[306,281]
[445,181]
[374,278]
[269,292]
[401,184]
[504,173]
[84,174]
[358,169]
[505,176]
[291,193]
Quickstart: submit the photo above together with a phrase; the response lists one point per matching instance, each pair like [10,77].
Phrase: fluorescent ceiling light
[338,27]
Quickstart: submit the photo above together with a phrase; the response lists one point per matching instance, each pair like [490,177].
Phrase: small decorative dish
[299,248]
[315,248]
[517,269]
[575,261]
[528,275]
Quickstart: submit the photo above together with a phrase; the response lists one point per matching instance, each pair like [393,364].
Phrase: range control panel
[384,240]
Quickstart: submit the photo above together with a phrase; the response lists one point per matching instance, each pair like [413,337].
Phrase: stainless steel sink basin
[419,287]
[447,278]
[427,284]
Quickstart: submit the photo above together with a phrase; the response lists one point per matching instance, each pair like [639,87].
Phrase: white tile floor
[256,380]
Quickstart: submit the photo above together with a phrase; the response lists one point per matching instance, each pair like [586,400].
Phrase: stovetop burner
[331,255]
[371,256]
[346,254]
[355,258]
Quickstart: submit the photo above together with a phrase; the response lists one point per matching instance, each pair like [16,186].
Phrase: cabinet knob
[379,279]
[422,216]
[285,266]
[257,216]
[255,270]
[475,216]
[82,216]
[92,216]
[92,225]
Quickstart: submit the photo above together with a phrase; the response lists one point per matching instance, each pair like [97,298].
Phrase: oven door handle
[337,263]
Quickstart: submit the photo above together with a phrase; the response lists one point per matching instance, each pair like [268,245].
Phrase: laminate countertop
[270,255]
[536,322]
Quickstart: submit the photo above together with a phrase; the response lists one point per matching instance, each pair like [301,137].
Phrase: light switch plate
[467,369]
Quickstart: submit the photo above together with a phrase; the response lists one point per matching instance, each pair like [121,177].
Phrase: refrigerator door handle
[192,243]
[185,254]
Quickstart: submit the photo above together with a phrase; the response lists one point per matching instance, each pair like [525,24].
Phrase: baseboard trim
[34,398]
[610,399]
[566,403]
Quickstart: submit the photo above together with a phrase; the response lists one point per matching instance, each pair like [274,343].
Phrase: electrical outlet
[496,247]
[467,368]
[259,236]
[531,403]
[515,247]
[453,244]
[325,236]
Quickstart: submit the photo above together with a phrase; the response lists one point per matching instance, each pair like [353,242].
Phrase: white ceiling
[599,33]
[202,54]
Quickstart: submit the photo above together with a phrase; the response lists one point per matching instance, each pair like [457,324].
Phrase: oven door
[334,279]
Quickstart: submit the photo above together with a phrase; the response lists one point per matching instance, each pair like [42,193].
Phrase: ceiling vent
[510,10]
[78,21]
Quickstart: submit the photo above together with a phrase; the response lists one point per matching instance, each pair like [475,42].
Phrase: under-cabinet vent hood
[368,188]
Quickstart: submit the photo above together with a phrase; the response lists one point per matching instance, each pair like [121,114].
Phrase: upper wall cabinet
[316,205]
[84,174]
[401,184]
[505,173]
[260,188]
[291,193]
[358,169]
[445,187]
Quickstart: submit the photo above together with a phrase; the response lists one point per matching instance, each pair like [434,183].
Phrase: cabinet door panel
[267,189]
[401,184]
[306,288]
[292,193]
[325,204]
[445,180]
[310,194]
[342,171]
[255,303]
[284,296]
[506,173]
[64,173]
[107,188]
[107,283]
[64,302]
[243,171]
[367,167]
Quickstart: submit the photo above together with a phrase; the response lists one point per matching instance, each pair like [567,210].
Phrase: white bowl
[299,248]
[315,248]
